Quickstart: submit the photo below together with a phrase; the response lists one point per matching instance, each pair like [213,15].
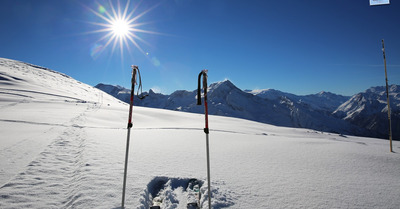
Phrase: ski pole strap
[140,87]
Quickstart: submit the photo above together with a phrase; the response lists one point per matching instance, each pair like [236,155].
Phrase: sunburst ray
[120,26]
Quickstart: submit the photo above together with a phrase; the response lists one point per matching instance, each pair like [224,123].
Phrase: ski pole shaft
[126,169]
[207,131]
[208,172]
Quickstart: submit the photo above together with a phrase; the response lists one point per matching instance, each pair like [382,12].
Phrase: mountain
[324,101]
[369,109]
[267,106]
[118,92]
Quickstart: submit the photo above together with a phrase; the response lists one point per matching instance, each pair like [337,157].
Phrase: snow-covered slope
[62,145]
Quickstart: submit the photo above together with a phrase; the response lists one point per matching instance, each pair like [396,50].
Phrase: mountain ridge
[322,111]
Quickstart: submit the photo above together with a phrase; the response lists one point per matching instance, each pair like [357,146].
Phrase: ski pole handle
[204,74]
[205,84]
[135,68]
[133,82]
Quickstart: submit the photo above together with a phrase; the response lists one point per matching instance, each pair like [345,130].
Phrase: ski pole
[206,130]
[135,70]
[387,98]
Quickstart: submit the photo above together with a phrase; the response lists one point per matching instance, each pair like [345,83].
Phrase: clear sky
[296,46]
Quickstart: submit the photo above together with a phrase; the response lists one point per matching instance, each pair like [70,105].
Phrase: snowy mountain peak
[223,89]
[256,91]
[226,84]
[380,90]
[375,90]
[111,89]
[270,94]
[325,94]
[394,88]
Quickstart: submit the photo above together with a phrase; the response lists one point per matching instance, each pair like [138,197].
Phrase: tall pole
[387,97]
[133,81]
[206,129]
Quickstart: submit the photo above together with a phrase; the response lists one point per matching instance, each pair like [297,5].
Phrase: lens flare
[102,9]
[95,50]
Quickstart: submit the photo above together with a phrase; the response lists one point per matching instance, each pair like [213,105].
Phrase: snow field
[63,146]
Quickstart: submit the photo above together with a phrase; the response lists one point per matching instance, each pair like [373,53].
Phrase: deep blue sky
[300,47]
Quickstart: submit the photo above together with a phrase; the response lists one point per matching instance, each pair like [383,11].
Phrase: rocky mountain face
[369,109]
[364,114]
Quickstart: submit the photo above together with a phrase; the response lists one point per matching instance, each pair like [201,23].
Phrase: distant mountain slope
[324,101]
[323,111]
[369,109]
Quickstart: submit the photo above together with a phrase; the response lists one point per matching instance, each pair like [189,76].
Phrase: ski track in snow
[62,172]
[57,171]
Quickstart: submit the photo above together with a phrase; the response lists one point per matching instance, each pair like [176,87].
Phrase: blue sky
[301,47]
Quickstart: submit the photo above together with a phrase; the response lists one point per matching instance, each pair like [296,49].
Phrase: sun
[120,26]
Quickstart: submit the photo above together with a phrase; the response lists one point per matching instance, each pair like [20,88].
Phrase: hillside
[63,146]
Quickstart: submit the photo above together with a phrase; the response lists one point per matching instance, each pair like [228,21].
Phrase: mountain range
[364,114]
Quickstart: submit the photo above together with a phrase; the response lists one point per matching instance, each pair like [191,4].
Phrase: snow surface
[63,146]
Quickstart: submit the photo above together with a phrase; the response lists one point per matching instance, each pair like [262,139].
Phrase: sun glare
[120,26]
